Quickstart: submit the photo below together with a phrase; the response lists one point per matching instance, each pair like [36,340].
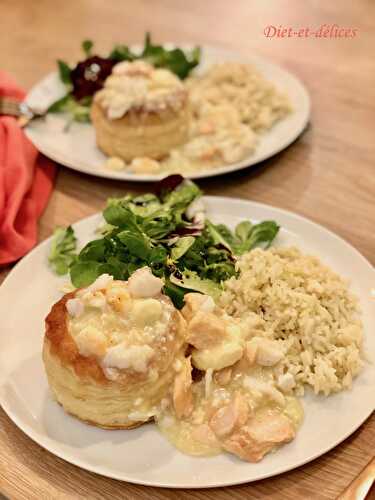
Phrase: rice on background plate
[307,308]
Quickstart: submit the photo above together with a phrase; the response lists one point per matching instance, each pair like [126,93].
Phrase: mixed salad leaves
[63,251]
[167,231]
[88,76]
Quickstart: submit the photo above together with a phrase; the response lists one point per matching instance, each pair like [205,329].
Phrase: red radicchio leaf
[89,75]
[168,184]
[183,231]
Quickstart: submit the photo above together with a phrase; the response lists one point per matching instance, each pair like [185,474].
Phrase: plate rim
[208,173]
[48,444]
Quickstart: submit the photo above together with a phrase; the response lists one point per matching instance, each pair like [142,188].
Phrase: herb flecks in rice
[308,308]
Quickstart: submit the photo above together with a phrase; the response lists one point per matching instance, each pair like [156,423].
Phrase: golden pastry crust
[108,427]
[61,344]
[81,387]
[141,133]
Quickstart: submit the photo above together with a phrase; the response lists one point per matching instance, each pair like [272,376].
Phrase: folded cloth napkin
[26,182]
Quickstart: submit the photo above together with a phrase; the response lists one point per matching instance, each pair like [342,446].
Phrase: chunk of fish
[222,377]
[268,352]
[264,388]
[230,416]
[251,350]
[142,283]
[258,437]
[218,357]
[205,330]
[264,352]
[75,307]
[100,283]
[286,382]
[195,302]
[182,393]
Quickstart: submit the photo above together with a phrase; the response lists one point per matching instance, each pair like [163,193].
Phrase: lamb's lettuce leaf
[243,230]
[261,234]
[245,236]
[138,244]
[181,246]
[117,213]
[63,250]
[85,272]
[181,197]
[220,235]
[192,282]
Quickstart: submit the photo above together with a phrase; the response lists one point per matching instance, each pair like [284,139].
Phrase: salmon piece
[230,416]
[205,330]
[242,409]
[249,357]
[258,437]
[182,393]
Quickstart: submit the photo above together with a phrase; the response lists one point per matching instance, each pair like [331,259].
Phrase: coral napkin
[26,182]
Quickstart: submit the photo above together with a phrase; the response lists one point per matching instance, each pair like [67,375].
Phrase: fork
[21,110]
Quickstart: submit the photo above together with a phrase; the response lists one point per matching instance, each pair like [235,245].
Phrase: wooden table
[327,175]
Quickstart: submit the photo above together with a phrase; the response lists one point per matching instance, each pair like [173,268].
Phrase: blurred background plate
[76,147]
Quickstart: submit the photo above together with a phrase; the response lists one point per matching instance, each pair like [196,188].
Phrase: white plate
[143,455]
[77,149]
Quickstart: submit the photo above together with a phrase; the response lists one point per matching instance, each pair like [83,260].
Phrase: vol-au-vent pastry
[142,111]
[110,350]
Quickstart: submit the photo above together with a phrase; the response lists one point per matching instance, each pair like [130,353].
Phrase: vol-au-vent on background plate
[75,146]
[143,455]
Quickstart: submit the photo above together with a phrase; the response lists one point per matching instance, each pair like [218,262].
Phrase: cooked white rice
[308,308]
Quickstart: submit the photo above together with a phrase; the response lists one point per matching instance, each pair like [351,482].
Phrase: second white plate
[76,147]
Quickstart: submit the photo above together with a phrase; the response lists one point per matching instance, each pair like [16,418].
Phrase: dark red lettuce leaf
[89,75]
[168,184]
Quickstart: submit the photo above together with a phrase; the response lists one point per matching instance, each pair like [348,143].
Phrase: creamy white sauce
[138,85]
[123,330]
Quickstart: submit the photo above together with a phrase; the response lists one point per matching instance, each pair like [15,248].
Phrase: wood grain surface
[328,175]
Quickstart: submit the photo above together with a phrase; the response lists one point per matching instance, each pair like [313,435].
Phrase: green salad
[166,230]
